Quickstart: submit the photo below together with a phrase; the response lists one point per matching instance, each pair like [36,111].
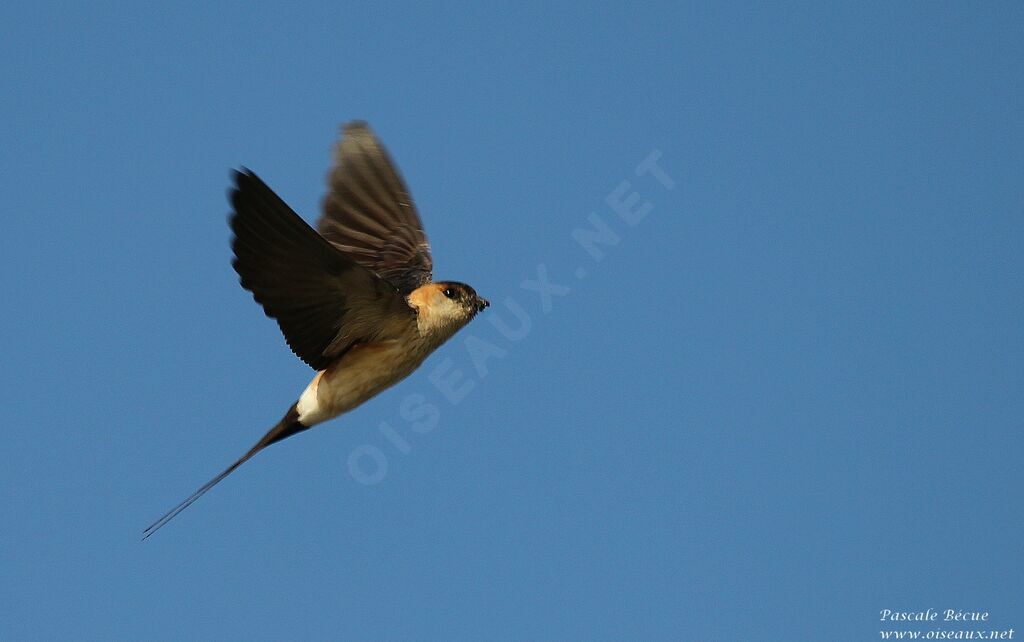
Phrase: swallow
[355,298]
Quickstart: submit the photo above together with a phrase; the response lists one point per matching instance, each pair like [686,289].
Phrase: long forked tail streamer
[169,515]
[288,426]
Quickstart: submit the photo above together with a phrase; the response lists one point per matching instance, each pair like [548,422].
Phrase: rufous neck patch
[422,297]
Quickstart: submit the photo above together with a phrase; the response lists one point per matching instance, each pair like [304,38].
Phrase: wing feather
[369,215]
[324,301]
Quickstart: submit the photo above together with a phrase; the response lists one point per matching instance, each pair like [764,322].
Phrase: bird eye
[450,293]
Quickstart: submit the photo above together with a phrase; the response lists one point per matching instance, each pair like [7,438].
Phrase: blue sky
[787,398]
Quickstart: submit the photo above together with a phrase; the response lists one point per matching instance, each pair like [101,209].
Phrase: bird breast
[364,371]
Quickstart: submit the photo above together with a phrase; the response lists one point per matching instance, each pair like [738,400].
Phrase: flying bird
[354,298]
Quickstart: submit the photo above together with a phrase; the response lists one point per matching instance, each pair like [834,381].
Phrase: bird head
[446,306]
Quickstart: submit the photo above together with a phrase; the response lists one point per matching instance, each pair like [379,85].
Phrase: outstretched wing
[323,301]
[369,215]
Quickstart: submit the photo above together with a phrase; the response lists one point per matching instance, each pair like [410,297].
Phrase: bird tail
[288,426]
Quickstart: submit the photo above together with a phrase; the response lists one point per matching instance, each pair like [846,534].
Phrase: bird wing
[369,215]
[324,301]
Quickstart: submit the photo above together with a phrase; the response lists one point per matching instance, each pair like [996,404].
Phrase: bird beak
[481,304]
